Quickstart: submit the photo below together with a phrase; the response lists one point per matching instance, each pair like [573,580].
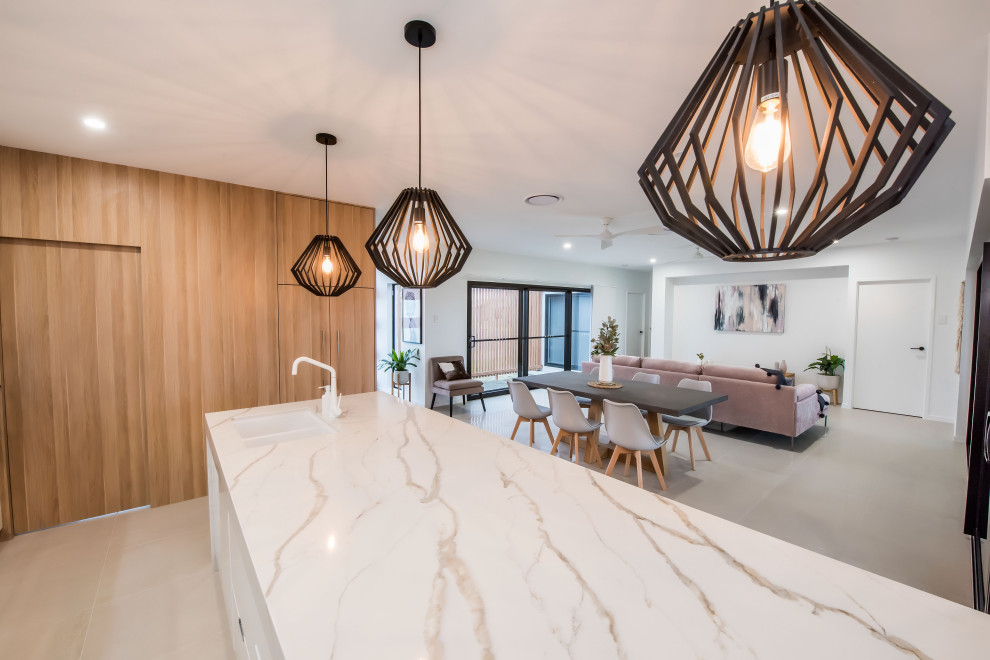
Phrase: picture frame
[412,316]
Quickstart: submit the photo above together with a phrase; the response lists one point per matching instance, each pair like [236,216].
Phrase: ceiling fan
[695,256]
[606,236]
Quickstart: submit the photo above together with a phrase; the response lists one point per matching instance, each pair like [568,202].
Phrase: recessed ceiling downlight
[543,200]
[94,123]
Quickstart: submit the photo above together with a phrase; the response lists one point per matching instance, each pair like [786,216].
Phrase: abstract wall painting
[750,308]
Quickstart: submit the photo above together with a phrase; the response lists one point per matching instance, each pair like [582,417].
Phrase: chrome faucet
[330,401]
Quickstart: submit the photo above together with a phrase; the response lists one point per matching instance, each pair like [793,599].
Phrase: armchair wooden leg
[704,445]
[628,458]
[547,425]
[656,466]
[515,428]
[639,468]
[482,397]
[433,401]
[615,457]
[531,436]
[450,405]
[690,445]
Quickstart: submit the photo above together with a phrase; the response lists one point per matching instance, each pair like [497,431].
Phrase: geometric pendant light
[798,133]
[325,267]
[418,244]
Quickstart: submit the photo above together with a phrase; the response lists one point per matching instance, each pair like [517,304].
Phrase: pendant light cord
[420,88]
[326,188]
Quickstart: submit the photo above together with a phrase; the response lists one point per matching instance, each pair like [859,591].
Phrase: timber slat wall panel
[209,263]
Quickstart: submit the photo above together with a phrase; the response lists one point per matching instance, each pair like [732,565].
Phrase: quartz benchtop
[403,533]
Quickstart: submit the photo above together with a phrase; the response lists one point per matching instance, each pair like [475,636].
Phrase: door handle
[986,440]
[917,348]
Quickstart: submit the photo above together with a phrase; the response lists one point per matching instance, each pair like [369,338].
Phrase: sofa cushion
[656,364]
[739,373]
[621,360]
[457,385]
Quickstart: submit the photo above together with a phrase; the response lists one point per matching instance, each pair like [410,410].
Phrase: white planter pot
[400,377]
[605,369]
[828,382]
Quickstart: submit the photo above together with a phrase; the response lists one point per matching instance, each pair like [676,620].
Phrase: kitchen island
[398,532]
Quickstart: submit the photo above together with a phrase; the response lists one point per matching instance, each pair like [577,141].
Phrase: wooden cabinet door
[303,331]
[352,352]
[353,226]
[298,220]
[70,327]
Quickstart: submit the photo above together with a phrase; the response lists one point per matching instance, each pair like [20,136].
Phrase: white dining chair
[687,422]
[525,406]
[567,417]
[631,436]
[643,377]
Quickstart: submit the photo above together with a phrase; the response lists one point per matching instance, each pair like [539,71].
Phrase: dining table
[655,400]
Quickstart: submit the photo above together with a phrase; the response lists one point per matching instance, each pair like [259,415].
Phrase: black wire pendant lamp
[798,132]
[325,267]
[417,243]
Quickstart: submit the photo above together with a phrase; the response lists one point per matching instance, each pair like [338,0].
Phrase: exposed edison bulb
[327,264]
[420,242]
[765,135]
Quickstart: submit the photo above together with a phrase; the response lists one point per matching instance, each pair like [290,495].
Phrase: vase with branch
[606,345]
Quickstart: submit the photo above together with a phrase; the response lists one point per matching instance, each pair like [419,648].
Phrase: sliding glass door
[518,329]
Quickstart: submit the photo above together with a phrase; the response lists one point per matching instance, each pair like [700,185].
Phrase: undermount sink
[270,429]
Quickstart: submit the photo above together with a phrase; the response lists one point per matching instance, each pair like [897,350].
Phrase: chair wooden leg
[639,468]
[704,445]
[690,445]
[556,442]
[677,434]
[515,428]
[531,436]
[615,457]
[656,466]
[592,449]
[574,444]
[628,458]
[666,435]
[547,425]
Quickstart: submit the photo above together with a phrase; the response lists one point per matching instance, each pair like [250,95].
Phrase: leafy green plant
[827,363]
[607,342]
[399,360]
[701,356]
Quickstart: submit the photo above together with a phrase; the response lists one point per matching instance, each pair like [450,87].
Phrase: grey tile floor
[882,492]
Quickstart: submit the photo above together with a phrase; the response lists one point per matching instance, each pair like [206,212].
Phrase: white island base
[398,532]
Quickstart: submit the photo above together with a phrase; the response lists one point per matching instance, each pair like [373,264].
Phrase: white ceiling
[520,97]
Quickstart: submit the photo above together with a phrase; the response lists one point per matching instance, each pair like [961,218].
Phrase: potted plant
[826,365]
[606,345]
[701,358]
[398,362]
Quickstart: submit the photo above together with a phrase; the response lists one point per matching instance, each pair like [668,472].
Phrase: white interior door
[892,349]
[635,323]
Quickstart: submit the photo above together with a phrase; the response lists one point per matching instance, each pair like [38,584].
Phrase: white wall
[445,307]
[808,329]
[942,261]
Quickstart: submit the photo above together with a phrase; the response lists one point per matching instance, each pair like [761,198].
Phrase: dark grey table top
[655,398]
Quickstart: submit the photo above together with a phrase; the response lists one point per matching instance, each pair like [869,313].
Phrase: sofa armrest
[803,391]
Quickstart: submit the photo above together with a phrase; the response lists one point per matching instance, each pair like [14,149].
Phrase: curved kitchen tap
[330,402]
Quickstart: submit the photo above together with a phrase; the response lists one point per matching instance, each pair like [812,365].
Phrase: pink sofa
[754,401]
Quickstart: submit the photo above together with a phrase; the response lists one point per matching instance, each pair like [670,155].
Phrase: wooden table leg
[656,428]
[594,415]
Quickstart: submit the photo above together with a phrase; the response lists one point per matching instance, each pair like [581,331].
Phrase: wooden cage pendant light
[325,267]
[417,243]
[798,132]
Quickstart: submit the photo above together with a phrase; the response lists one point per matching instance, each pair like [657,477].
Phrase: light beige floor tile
[142,526]
[217,647]
[56,543]
[134,568]
[43,637]
[182,613]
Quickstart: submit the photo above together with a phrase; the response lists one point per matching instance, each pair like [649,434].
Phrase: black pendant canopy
[798,132]
[325,267]
[418,244]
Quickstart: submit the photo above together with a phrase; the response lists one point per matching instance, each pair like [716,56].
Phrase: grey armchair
[452,388]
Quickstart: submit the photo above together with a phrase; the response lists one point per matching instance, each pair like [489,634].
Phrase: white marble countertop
[406,534]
